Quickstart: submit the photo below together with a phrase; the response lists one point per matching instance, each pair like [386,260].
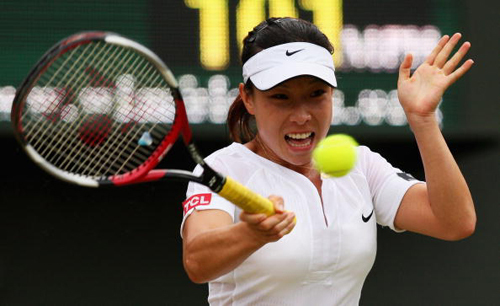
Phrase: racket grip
[246,199]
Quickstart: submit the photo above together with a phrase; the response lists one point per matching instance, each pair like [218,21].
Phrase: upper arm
[415,214]
[200,221]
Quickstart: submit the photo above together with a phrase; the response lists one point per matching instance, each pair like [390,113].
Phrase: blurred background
[65,245]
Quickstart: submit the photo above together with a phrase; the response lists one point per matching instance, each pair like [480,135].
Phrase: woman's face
[291,118]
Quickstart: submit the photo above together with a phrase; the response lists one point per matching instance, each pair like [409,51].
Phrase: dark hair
[269,33]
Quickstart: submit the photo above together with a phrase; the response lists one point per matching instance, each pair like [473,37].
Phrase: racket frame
[226,187]
[180,125]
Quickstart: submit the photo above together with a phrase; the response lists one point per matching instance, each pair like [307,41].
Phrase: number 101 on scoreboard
[214,24]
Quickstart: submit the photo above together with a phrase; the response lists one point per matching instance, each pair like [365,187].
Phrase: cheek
[325,113]
[328,120]
[267,125]
[268,116]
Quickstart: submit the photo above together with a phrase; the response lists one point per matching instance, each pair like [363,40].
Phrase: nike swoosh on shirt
[288,53]
[366,219]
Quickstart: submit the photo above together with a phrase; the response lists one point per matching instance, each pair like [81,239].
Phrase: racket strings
[94,125]
[82,134]
[135,149]
[60,138]
[57,139]
[123,143]
[101,156]
[47,128]
[40,106]
[129,151]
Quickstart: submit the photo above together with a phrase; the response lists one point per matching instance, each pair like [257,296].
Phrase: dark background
[65,245]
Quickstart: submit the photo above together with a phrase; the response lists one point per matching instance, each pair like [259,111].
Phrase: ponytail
[240,122]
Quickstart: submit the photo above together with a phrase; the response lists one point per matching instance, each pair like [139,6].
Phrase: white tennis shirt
[326,258]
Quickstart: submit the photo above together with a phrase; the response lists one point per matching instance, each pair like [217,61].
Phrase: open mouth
[299,140]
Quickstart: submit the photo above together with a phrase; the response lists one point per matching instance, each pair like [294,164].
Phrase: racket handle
[246,199]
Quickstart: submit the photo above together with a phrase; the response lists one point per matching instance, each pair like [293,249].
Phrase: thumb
[279,203]
[405,68]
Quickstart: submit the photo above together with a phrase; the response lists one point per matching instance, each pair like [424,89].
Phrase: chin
[303,160]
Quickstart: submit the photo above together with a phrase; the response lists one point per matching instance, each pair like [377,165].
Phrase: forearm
[216,252]
[448,193]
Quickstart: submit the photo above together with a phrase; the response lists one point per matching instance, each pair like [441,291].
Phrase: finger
[253,219]
[282,228]
[443,55]
[457,57]
[269,223]
[290,219]
[287,229]
[405,68]
[457,74]
[441,43]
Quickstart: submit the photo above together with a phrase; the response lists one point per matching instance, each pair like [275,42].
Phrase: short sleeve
[387,184]
[200,197]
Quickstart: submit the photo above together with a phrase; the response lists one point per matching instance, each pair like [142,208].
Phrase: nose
[300,114]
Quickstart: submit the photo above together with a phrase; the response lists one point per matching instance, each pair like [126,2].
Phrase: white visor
[274,65]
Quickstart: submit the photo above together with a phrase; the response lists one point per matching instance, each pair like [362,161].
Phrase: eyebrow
[312,80]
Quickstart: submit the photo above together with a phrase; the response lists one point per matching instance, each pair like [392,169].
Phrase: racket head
[97,109]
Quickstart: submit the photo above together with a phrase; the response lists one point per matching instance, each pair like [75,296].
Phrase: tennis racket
[99,109]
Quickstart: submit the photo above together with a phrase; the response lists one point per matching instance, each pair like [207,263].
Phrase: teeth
[299,135]
[300,145]
[305,139]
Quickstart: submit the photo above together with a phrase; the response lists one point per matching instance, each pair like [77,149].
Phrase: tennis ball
[335,155]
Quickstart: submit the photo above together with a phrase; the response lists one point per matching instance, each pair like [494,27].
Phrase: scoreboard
[200,40]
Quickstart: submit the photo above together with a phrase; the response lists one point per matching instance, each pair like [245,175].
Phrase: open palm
[419,93]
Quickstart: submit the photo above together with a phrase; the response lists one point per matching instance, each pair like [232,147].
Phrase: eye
[279,96]
[318,93]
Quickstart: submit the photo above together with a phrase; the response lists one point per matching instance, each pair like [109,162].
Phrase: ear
[247,99]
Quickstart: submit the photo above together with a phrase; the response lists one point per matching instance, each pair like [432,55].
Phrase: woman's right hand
[213,245]
[272,228]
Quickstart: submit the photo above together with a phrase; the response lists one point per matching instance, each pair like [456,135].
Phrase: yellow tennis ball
[335,155]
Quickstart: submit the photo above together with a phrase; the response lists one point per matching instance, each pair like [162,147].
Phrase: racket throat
[215,181]
[193,151]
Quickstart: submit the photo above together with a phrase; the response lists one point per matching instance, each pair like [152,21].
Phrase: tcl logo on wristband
[196,200]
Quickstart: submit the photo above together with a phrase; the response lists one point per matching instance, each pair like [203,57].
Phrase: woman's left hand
[421,92]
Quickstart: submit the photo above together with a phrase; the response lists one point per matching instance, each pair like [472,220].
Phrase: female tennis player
[320,245]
